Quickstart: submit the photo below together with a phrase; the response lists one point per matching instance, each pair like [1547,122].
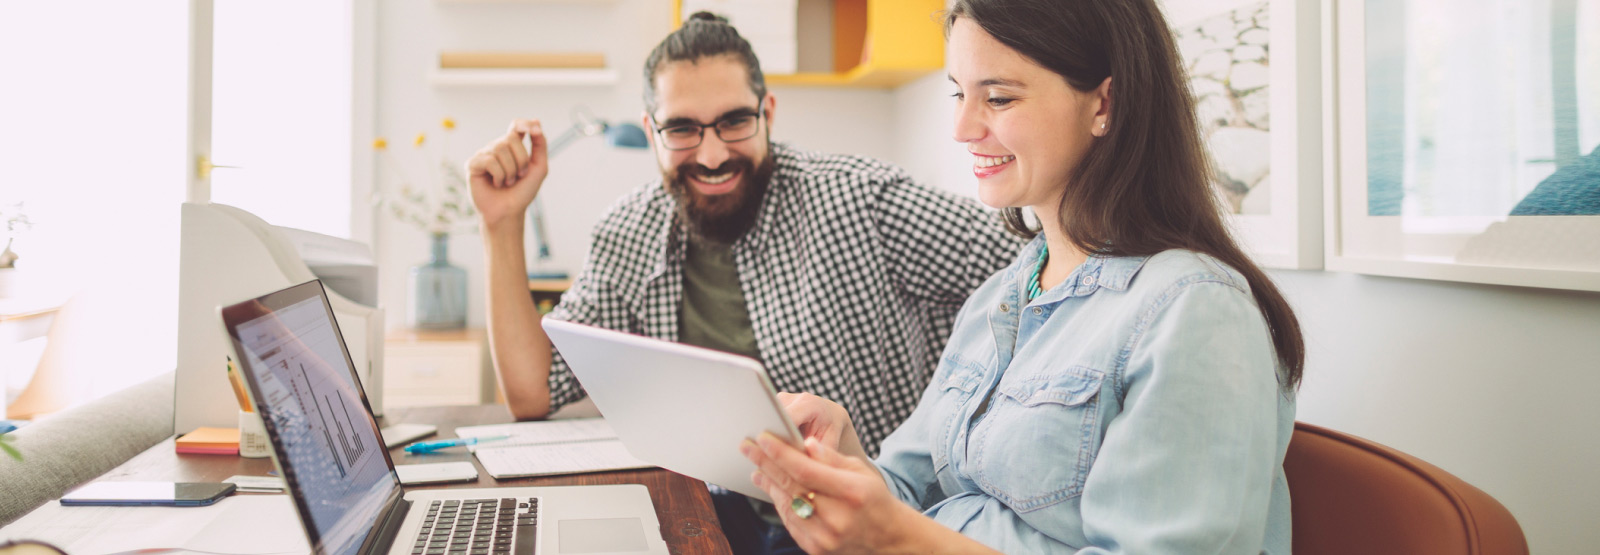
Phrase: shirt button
[1005,307]
[1088,281]
[1037,310]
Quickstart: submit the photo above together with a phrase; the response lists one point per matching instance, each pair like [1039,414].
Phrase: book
[209,441]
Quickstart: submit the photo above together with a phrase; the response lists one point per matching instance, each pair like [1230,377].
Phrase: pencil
[238,387]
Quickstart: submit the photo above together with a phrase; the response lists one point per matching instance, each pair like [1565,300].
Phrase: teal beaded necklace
[1035,288]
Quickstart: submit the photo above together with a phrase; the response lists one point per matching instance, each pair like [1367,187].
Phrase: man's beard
[726,217]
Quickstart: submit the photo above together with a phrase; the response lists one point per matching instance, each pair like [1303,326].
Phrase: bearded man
[838,273]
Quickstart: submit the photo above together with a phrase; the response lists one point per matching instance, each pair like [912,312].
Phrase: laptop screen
[326,440]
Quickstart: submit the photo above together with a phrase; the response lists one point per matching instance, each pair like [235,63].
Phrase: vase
[438,290]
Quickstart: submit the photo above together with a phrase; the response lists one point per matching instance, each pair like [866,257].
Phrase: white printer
[229,255]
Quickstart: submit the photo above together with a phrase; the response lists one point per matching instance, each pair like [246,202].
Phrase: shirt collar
[1111,272]
[1116,272]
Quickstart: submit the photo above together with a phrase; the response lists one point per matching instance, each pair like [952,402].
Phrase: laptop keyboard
[505,526]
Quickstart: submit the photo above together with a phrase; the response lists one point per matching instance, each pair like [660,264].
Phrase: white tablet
[682,408]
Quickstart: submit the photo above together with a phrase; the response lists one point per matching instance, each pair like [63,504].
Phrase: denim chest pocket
[954,390]
[957,379]
[1039,438]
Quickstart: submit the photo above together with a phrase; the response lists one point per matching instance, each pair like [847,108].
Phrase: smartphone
[173,494]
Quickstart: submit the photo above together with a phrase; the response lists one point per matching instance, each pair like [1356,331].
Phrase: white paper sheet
[237,525]
[561,458]
[540,433]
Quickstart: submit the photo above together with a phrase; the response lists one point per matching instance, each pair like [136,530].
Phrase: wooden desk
[688,521]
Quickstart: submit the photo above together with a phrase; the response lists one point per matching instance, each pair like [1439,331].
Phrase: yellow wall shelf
[876,44]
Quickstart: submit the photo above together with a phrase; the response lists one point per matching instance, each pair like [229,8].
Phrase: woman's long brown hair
[1143,188]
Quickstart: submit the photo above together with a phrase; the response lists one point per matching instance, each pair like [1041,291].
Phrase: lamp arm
[584,127]
[536,217]
[565,139]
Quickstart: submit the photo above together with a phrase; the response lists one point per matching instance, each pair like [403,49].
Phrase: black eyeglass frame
[660,132]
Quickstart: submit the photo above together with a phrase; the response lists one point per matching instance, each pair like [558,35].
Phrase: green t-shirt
[714,316]
[714,313]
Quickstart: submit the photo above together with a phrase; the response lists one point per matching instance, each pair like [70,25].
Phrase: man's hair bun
[708,16]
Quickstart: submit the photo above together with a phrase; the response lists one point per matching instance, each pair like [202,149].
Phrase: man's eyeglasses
[731,128]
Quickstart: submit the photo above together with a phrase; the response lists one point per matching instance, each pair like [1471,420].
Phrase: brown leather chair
[1350,495]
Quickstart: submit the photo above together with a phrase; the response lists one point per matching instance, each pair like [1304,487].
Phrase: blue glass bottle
[438,290]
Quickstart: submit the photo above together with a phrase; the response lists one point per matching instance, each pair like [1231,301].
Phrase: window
[94,120]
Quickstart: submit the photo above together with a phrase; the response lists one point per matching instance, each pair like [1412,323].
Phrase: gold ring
[801,505]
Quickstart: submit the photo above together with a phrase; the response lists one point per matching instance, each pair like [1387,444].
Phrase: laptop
[326,445]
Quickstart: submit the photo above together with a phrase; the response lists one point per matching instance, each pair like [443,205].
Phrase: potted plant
[439,205]
[15,222]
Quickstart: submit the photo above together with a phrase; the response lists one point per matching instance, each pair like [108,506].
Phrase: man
[837,272]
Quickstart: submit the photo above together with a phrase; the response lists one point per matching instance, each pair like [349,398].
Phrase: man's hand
[505,175]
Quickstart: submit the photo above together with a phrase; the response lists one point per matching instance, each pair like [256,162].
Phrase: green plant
[438,206]
[5,445]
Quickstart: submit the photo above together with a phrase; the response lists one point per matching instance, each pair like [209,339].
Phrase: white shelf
[526,1]
[522,77]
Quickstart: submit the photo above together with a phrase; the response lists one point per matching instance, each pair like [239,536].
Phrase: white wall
[589,176]
[1493,384]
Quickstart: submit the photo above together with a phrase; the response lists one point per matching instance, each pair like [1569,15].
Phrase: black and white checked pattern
[853,275]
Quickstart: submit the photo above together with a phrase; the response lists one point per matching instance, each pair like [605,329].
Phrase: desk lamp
[621,135]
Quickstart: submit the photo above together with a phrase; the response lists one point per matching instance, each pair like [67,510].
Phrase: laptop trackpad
[601,535]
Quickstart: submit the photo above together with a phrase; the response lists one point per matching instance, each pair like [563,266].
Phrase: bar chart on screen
[324,412]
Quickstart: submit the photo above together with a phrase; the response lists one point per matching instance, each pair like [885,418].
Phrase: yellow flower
[420,138]
[449,123]
[380,143]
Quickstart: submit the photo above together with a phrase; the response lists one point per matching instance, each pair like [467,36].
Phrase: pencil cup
[252,436]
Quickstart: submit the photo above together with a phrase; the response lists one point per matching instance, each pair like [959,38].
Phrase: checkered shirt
[852,274]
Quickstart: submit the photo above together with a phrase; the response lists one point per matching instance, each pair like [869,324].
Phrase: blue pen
[431,446]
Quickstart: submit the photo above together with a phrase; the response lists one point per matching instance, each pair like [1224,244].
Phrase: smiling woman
[1129,355]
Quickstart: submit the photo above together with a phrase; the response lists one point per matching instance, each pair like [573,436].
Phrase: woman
[1127,384]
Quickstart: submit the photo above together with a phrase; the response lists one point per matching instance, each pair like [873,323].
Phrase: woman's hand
[853,510]
[824,420]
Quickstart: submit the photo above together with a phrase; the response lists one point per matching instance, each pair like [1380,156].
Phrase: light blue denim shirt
[1133,408]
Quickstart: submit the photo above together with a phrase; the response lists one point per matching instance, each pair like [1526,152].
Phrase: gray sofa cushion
[78,444]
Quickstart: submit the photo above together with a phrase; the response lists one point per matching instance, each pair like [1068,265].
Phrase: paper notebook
[550,447]
[209,441]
